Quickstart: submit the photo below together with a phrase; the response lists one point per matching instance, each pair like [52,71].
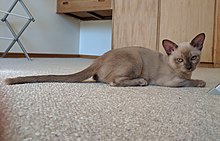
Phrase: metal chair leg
[16,36]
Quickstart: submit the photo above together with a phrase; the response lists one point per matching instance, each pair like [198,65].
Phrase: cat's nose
[188,67]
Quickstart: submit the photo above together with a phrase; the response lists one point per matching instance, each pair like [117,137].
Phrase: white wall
[95,37]
[50,33]
[53,33]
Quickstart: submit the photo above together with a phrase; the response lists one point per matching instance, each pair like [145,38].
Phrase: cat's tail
[71,78]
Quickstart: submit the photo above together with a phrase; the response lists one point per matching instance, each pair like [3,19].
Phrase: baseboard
[38,55]
[88,56]
[206,65]
[217,65]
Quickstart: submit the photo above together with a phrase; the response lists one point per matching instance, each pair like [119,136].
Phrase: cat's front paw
[201,83]
[112,84]
[142,82]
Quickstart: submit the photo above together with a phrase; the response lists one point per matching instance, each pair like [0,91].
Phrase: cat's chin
[188,71]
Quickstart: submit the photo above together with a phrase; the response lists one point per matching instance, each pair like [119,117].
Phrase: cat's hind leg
[125,81]
[96,78]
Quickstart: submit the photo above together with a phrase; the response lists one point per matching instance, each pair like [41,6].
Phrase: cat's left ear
[169,46]
[198,41]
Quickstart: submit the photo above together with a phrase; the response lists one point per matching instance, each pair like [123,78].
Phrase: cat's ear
[198,41]
[169,46]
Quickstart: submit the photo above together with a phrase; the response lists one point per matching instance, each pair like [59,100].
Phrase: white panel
[95,37]
[50,33]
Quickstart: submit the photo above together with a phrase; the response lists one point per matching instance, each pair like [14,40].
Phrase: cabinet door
[135,23]
[217,36]
[181,20]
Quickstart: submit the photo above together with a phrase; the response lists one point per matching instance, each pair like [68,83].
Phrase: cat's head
[184,57]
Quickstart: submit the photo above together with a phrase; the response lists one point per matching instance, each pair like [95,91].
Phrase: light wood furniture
[86,9]
[182,20]
[147,22]
[135,23]
[217,36]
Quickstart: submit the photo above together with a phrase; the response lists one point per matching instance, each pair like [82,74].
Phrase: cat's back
[139,51]
[129,54]
[134,48]
[131,50]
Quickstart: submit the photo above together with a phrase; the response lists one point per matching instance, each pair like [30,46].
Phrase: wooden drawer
[71,6]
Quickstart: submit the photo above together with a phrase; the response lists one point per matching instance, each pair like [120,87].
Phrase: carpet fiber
[94,111]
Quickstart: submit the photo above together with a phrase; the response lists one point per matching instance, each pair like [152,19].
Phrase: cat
[137,66]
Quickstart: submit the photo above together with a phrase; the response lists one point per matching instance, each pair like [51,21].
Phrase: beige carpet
[92,111]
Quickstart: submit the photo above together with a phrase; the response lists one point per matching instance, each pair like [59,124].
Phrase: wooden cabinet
[86,9]
[147,22]
[217,36]
[82,5]
[182,20]
[135,23]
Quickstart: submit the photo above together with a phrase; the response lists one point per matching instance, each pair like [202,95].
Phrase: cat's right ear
[169,46]
[198,41]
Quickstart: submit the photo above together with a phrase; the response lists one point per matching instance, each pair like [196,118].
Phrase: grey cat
[137,66]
